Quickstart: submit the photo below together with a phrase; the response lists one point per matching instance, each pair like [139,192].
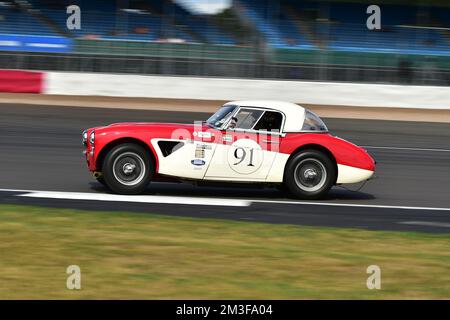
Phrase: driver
[271,121]
[232,123]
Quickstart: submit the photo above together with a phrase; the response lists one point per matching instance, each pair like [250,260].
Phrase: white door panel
[190,161]
[244,160]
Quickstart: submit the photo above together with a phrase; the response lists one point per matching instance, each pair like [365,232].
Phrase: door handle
[270,141]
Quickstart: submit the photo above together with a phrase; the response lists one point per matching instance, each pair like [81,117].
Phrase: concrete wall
[319,93]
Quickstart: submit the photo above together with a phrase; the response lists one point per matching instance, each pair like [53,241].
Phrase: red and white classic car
[271,142]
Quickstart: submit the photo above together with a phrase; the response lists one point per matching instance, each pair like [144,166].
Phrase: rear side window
[313,122]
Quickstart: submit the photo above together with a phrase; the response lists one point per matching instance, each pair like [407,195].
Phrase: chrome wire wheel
[310,175]
[129,168]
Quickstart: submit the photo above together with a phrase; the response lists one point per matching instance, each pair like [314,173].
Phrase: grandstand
[341,26]
[102,19]
[282,24]
[16,21]
[261,32]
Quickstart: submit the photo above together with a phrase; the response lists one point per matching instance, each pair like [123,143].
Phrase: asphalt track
[41,151]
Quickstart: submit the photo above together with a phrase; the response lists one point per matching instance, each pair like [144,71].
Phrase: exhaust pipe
[97,174]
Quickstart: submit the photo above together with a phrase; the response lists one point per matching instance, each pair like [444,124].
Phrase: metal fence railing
[402,72]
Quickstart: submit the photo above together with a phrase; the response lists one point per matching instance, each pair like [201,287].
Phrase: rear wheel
[127,169]
[310,174]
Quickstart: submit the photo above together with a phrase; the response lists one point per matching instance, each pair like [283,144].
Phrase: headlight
[84,137]
[92,138]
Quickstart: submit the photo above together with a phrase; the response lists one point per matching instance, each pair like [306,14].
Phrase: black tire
[127,169]
[310,174]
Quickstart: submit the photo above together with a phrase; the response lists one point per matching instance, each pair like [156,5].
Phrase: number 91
[240,154]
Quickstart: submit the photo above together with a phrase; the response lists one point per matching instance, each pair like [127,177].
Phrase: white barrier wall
[319,93]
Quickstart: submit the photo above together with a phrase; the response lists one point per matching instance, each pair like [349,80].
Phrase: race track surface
[41,151]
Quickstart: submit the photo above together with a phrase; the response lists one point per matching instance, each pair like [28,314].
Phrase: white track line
[407,149]
[427,223]
[196,200]
[136,199]
[333,204]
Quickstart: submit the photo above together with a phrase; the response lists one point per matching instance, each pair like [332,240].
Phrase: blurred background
[275,39]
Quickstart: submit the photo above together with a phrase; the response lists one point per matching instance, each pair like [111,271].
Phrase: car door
[187,154]
[249,146]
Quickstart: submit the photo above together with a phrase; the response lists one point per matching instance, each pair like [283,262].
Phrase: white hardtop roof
[294,114]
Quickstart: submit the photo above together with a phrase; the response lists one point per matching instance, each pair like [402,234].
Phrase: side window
[270,121]
[313,123]
[246,118]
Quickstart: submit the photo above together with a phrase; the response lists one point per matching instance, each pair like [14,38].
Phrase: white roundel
[245,156]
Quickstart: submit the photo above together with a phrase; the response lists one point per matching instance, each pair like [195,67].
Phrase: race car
[267,142]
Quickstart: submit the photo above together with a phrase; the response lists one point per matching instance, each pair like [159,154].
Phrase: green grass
[146,256]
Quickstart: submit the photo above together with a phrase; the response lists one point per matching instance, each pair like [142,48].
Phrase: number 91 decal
[245,156]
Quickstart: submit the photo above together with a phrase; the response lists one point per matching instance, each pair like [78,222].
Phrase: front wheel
[310,174]
[127,169]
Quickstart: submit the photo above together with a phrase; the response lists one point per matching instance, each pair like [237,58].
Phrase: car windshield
[313,123]
[221,116]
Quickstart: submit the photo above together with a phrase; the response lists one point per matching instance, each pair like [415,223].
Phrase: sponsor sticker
[198,162]
[204,146]
[202,134]
[199,153]
[228,138]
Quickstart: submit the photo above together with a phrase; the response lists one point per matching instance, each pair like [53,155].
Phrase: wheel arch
[317,147]
[108,147]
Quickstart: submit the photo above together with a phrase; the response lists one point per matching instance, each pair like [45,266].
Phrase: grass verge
[147,256]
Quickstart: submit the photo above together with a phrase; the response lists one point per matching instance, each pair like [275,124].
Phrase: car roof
[294,114]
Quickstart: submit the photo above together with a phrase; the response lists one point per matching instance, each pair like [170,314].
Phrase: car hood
[146,126]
